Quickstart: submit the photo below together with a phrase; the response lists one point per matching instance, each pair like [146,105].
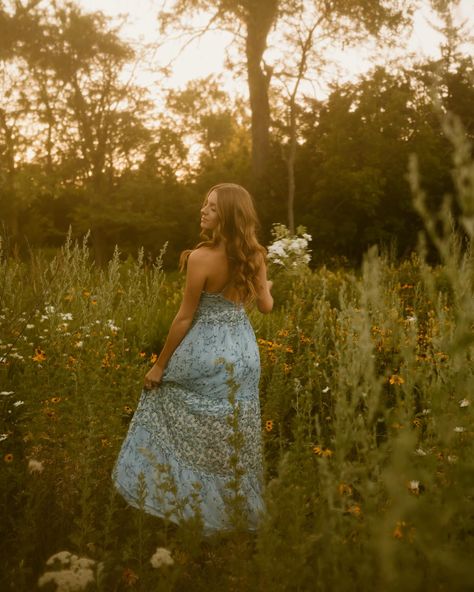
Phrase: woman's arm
[196,275]
[264,297]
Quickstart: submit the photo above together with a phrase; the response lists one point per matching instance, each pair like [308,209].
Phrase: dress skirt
[182,449]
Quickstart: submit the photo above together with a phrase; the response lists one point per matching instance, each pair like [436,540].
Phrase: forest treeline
[82,147]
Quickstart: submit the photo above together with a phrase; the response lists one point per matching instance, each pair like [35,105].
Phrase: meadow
[366,397]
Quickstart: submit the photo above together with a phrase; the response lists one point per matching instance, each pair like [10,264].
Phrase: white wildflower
[411,319]
[277,249]
[49,309]
[66,316]
[3,437]
[75,573]
[35,466]
[30,326]
[426,411]
[112,326]
[6,393]
[420,452]
[464,403]
[18,403]
[452,459]
[414,486]
[79,344]
[161,557]
[459,429]
[64,557]
[326,389]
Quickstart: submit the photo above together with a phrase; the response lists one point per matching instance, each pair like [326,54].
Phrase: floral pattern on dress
[184,424]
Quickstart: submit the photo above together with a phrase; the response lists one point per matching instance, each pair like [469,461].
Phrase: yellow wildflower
[323,452]
[153,358]
[269,425]
[344,489]
[39,356]
[129,577]
[396,379]
[355,510]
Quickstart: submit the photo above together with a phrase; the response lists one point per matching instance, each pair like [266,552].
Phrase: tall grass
[366,392]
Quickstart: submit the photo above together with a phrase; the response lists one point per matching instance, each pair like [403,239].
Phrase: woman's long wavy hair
[237,227]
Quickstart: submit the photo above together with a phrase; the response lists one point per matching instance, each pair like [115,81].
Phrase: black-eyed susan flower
[396,379]
[128,410]
[269,425]
[398,530]
[355,510]
[55,399]
[344,489]
[322,452]
[8,458]
[39,356]
[129,577]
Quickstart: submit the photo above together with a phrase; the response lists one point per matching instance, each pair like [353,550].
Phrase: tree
[258,17]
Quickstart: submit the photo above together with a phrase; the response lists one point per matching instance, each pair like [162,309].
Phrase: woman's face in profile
[209,216]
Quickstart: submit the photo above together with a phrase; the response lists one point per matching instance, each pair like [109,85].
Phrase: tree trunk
[8,203]
[291,167]
[260,18]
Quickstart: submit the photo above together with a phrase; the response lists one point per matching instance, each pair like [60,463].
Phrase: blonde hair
[237,227]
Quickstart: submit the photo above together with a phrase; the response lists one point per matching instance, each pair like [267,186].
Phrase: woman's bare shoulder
[202,254]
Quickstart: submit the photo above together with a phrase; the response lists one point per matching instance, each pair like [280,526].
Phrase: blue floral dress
[177,454]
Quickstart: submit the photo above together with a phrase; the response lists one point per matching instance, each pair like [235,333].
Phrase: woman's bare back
[218,280]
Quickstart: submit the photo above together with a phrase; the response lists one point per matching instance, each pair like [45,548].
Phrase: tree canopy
[83,146]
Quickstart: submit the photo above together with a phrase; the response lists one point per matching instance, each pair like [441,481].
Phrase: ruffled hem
[211,488]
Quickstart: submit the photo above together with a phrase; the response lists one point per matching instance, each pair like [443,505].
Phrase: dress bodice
[215,308]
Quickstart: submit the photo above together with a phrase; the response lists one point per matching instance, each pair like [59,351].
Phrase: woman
[179,435]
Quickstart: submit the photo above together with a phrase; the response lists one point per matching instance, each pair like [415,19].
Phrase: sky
[206,55]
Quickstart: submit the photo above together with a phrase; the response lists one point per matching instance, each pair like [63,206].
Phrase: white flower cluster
[72,573]
[161,557]
[289,251]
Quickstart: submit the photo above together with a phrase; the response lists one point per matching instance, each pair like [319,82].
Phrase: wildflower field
[367,395]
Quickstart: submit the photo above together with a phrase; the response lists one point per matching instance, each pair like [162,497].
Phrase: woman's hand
[153,378]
